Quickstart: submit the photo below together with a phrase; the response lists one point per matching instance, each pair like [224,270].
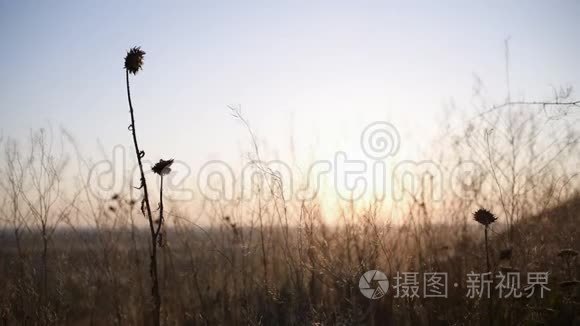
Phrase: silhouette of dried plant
[162,167]
[486,218]
[134,63]
[134,60]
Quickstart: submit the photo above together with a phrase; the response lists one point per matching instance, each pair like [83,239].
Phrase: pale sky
[317,70]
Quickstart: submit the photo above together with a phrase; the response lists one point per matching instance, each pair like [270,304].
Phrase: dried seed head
[162,167]
[134,60]
[484,217]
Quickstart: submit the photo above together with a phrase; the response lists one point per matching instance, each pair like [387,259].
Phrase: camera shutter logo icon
[373,284]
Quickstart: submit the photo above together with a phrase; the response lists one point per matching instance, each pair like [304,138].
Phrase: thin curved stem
[160,208]
[153,263]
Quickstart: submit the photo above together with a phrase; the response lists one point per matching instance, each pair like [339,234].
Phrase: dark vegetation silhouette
[133,64]
[68,257]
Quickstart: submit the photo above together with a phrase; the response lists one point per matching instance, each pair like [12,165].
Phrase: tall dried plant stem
[490,301]
[160,209]
[487,251]
[153,257]
[160,221]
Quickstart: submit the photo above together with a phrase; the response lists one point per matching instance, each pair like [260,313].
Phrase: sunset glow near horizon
[308,77]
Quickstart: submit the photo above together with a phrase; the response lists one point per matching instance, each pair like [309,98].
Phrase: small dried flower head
[162,167]
[484,217]
[567,253]
[134,60]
